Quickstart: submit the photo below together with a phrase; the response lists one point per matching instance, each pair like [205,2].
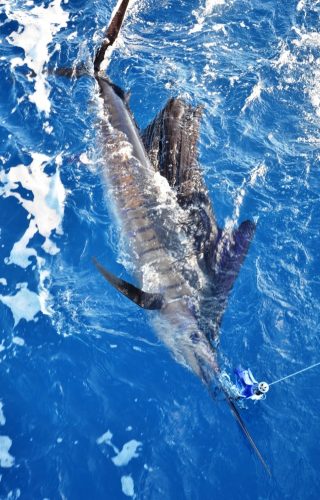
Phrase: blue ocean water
[92,405]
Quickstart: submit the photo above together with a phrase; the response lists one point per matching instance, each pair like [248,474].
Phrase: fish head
[180,329]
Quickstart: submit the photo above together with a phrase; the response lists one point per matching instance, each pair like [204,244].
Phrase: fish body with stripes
[185,265]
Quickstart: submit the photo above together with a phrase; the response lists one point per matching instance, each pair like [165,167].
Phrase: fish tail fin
[111,34]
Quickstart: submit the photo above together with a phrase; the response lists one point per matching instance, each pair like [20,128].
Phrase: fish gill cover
[91,404]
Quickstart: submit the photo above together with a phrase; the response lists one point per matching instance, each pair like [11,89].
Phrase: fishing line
[295,373]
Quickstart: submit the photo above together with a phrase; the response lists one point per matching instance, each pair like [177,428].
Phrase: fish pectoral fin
[143,299]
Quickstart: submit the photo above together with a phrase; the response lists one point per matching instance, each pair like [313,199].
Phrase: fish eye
[195,337]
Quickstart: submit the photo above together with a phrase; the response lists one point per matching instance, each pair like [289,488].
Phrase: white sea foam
[47,128]
[44,205]
[127,486]
[106,438]
[15,494]
[310,41]
[6,460]
[301,4]
[204,12]
[310,38]
[37,29]
[3,281]
[2,417]
[136,348]
[220,27]
[123,456]
[45,208]
[286,58]
[85,159]
[258,171]
[255,95]
[302,58]
[25,304]
[18,341]
[20,253]
[314,89]
[128,452]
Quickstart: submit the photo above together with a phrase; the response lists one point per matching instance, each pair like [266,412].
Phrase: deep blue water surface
[89,362]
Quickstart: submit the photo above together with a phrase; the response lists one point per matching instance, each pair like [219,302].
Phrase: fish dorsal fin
[143,299]
[171,143]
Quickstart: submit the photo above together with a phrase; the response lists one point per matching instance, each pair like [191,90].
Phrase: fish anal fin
[143,299]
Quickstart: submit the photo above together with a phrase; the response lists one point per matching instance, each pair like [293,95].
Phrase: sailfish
[185,264]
